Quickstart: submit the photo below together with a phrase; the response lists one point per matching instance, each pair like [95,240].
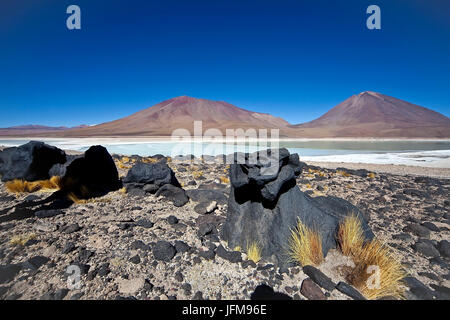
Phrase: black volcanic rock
[31,161]
[265,204]
[157,174]
[172,193]
[91,175]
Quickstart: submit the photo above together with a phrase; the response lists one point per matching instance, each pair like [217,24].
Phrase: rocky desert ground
[135,244]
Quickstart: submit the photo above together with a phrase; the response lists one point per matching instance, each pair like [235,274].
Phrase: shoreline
[163,139]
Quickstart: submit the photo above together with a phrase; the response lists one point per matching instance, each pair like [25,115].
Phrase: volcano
[371,114]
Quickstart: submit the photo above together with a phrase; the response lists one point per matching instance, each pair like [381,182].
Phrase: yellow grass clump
[21,239]
[197,174]
[22,186]
[350,236]
[237,248]
[343,173]
[71,196]
[224,180]
[305,245]
[371,175]
[377,273]
[253,252]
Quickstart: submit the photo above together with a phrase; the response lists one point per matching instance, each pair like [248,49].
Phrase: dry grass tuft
[377,272]
[343,173]
[197,174]
[71,196]
[305,245]
[22,186]
[371,175]
[350,236]
[21,239]
[224,180]
[254,252]
[237,248]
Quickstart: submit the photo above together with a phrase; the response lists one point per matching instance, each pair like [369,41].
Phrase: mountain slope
[181,112]
[366,115]
[371,114]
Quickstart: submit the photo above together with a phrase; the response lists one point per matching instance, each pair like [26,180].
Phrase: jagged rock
[265,204]
[91,175]
[158,174]
[31,161]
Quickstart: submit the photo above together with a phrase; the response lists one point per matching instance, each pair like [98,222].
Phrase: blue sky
[294,59]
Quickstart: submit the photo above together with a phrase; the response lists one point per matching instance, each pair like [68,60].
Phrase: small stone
[68,247]
[172,220]
[71,228]
[319,277]
[207,254]
[35,263]
[444,248]
[430,226]
[179,276]
[418,230]
[198,296]
[426,249]
[311,290]
[60,294]
[135,259]
[163,251]
[181,246]
[349,291]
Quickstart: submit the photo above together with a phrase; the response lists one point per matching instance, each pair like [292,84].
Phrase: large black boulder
[92,175]
[265,204]
[60,169]
[31,161]
[157,174]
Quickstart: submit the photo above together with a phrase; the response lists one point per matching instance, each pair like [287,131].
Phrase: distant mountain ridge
[34,129]
[365,115]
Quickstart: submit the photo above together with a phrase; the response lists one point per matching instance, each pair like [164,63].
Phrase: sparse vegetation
[350,236]
[373,261]
[197,174]
[75,199]
[22,186]
[224,180]
[305,245]
[21,239]
[254,252]
[371,175]
[343,173]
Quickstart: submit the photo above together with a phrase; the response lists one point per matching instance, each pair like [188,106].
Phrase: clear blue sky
[295,59]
